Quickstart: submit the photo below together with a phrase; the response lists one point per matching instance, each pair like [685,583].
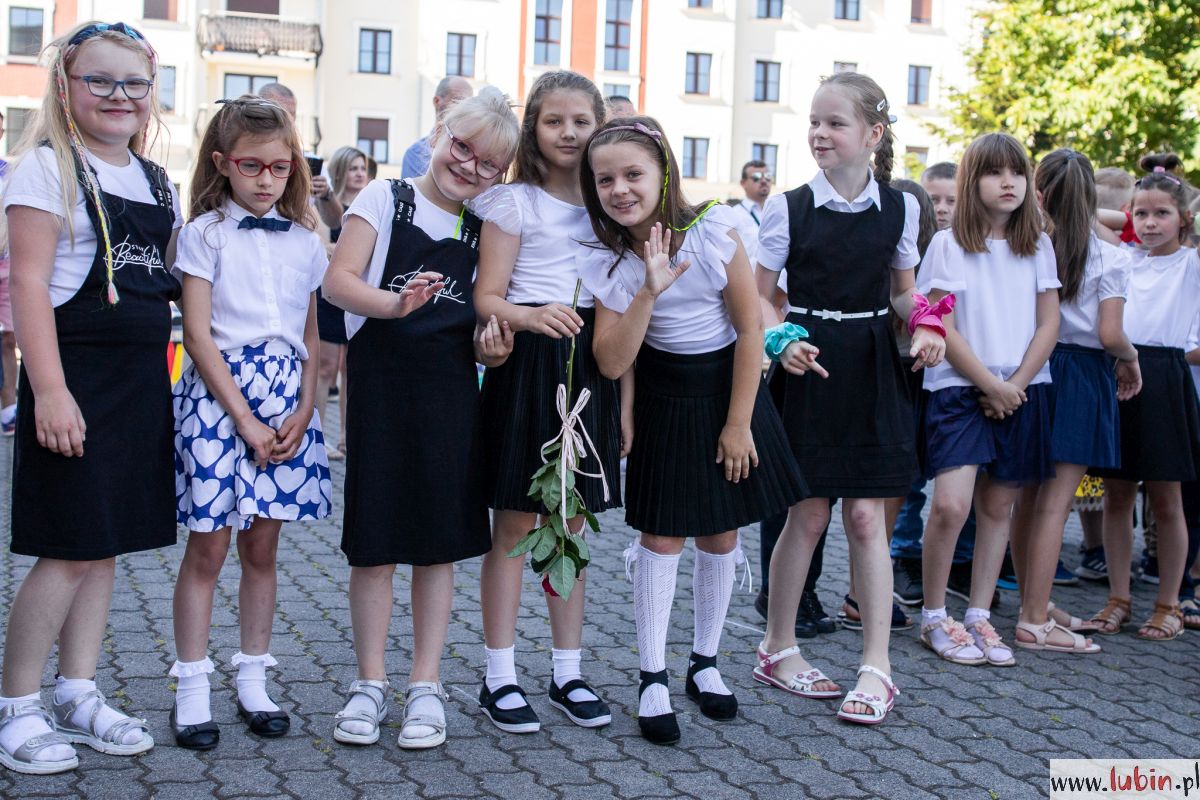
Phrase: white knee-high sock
[653,595]
[712,586]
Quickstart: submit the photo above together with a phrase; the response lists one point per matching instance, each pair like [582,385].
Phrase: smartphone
[314,164]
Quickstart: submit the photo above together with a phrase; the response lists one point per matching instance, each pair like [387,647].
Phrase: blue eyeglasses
[100,27]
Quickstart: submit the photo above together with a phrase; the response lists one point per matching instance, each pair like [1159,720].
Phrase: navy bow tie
[264,223]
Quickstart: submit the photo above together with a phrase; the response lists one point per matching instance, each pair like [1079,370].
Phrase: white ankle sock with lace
[252,681]
[653,596]
[428,705]
[67,689]
[974,614]
[20,730]
[566,669]
[362,702]
[712,586]
[932,616]
[502,671]
[192,691]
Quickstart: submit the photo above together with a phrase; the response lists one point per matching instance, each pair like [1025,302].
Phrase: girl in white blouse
[248,449]
[675,294]
[987,407]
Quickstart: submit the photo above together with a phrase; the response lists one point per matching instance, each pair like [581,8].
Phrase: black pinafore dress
[852,433]
[414,489]
[119,497]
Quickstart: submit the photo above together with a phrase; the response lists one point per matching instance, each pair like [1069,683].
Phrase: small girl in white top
[1160,427]
[709,452]
[249,451]
[527,278]
[1084,426]
[987,406]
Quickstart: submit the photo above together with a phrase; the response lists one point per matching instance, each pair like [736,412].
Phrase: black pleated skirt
[1160,426]
[674,487]
[519,416]
[852,433]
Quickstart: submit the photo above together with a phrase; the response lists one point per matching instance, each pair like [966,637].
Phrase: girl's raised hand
[660,272]
[260,437]
[556,321]
[1129,379]
[417,292]
[735,449]
[59,423]
[290,436]
[495,340]
[800,357]
[928,348]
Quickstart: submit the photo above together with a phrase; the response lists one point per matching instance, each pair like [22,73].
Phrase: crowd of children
[970,331]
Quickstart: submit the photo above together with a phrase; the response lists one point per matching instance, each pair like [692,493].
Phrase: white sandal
[110,743]
[377,693]
[799,684]
[954,644]
[25,758]
[414,692]
[880,706]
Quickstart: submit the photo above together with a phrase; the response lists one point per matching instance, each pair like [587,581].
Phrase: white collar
[823,192]
[750,205]
[236,213]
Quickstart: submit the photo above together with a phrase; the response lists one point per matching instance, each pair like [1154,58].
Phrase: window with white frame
[618,26]
[460,54]
[373,138]
[696,79]
[766,81]
[695,158]
[547,32]
[375,51]
[25,27]
[767,153]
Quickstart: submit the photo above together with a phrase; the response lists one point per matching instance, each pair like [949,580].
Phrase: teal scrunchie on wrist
[777,339]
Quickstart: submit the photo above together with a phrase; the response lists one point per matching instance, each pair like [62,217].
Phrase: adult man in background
[448,92]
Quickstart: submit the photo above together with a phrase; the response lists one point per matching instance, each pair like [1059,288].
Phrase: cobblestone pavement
[961,732]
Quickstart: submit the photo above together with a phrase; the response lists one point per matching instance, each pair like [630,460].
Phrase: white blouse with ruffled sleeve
[545,270]
[690,316]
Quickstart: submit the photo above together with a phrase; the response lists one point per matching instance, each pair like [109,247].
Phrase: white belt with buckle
[837,316]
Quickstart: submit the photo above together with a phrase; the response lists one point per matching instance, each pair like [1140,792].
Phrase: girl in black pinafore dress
[850,425]
[91,226]
[403,269]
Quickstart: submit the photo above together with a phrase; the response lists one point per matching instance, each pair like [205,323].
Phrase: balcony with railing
[259,34]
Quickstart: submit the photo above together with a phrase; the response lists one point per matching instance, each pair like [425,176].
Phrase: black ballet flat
[268,724]
[712,705]
[204,736]
[521,719]
[661,728]
[585,713]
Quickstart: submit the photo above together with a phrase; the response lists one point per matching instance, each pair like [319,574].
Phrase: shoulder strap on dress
[405,199]
[471,227]
[160,184]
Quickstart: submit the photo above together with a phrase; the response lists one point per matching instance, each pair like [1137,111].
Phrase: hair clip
[891,119]
[1162,173]
[881,105]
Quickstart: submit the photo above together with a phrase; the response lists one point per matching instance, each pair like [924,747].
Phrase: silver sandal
[414,692]
[110,742]
[25,758]
[377,692]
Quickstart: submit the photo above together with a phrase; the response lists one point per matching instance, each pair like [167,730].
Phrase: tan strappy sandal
[1167,618]
[1110,619]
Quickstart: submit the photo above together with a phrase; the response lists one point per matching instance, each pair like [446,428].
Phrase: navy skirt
[1160,426]
[674,487]
[1013,450]
[1084,424]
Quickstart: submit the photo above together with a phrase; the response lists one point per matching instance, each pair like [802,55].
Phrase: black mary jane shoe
[661,728]
[204,736]
[584,713]
[521,719]
[268,724]
[712,705]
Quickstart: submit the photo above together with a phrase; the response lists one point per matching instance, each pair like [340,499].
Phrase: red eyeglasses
[253,167]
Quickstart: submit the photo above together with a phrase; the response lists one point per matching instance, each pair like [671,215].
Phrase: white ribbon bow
[575,443]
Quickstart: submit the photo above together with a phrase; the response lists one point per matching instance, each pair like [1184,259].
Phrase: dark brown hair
[530,166]
[260,119]
[1068,189]
[971,225]
[675,212]
[871,105]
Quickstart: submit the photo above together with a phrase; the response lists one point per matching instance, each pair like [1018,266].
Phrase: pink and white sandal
[799,684]
[995,651]
[950,640]
[880,706]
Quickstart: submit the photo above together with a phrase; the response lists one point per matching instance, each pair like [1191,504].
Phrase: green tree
[1114,79]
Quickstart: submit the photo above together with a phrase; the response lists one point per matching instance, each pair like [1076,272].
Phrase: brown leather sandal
[1110,619]
[1167,619]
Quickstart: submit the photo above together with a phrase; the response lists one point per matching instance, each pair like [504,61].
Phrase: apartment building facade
[729,79]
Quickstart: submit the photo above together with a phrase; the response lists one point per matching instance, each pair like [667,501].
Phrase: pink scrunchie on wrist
[929,315]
